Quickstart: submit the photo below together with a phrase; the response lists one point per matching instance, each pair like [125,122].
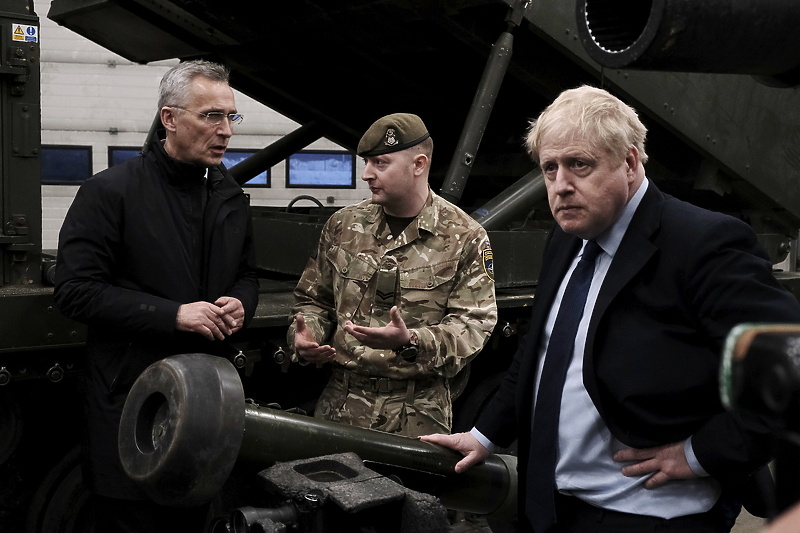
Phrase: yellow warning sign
[25,33]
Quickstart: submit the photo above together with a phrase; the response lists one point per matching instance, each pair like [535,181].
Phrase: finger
[224,326]
[656,480]
[433,437]
[320,351]
[397,320]
[317,354]
[438,438]
[463,464]
[217,332]
[228,320]
[215,322]
[207,331]
[633,454]
[301,322]
[640,469]
[472,458]
[304,345]
[357,332]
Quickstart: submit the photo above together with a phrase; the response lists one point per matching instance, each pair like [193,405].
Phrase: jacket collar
[635,249]
[427,219]
[177,172]
[181,173]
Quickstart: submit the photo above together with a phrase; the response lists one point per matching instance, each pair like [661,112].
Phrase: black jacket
[134,247]
[680,280]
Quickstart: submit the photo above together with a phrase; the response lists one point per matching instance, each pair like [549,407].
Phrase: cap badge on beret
[391,140]
[392,133]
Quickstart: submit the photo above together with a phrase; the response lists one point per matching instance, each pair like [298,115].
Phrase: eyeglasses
[215,118]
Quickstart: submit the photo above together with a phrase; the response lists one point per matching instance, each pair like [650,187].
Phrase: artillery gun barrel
[186,423]
[714,36]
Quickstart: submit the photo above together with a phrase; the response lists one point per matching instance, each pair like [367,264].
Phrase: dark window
[234,156]
[66,165]
[119,154]
[321,169]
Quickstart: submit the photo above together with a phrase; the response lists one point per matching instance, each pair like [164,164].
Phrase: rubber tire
[182,427]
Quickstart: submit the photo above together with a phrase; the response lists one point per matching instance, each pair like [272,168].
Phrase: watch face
[409,353]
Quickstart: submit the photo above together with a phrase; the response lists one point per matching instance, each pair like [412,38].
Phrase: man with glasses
[156,257]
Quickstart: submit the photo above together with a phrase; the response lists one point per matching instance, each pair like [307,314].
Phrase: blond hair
[594,114]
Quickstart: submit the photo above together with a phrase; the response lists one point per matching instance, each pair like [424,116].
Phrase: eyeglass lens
[215,118]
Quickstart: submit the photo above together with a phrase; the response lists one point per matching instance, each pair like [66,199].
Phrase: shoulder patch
[488,263]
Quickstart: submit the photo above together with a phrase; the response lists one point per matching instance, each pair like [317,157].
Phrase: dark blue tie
[540,497]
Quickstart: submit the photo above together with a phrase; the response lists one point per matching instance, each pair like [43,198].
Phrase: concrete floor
[746,523]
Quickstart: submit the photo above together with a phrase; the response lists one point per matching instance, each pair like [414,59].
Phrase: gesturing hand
[391,336]
[306,347]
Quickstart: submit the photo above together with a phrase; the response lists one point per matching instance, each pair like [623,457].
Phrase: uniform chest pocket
[428,277]
[350,265]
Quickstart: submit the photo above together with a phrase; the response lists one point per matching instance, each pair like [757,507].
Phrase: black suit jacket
[680,280]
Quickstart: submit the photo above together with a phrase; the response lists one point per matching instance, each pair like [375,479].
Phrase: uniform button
[430,283]
[344,270]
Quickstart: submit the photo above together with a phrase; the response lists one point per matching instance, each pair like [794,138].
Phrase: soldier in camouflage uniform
[400,289]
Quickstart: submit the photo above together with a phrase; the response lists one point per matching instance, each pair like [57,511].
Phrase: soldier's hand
[234,312]
[662,463]
[203,318]
[391,336]
[306,347]
[465,444]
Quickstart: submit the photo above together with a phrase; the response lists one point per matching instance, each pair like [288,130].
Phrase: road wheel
[61,504]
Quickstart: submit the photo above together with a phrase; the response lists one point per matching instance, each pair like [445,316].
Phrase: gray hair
[173,89]
[603,119]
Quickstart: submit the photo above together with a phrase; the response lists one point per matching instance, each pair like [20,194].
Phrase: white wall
[92,97]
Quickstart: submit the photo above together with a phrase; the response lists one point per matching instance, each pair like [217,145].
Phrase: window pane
[69,165]
[233,157]
[119,154]
[321,169]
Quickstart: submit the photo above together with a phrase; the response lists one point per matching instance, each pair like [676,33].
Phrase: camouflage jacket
[438,272]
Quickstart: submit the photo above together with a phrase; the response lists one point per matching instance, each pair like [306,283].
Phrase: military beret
[392,133]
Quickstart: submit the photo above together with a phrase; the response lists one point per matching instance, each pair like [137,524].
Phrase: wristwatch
[410,350]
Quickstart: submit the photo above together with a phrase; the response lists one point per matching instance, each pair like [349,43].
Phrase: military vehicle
[476,71]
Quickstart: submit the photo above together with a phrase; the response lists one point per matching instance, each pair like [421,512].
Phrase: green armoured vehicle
[475,70]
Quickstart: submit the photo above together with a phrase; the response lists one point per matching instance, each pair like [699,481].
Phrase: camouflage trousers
[411,407]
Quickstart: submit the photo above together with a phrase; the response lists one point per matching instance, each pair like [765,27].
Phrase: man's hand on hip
[663,462]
